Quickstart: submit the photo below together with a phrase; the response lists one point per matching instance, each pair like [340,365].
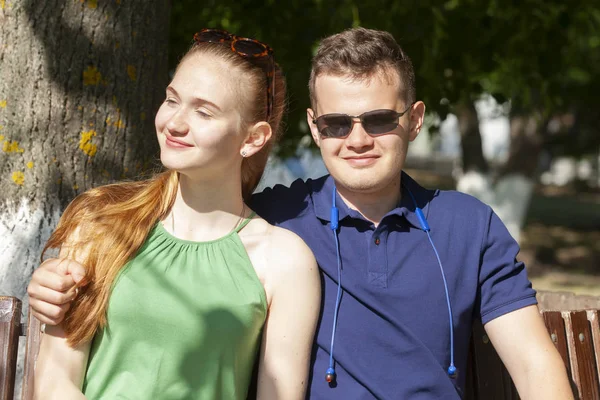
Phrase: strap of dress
[245,222]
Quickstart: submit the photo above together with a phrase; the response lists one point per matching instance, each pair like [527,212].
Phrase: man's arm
[524,345]
[52,288]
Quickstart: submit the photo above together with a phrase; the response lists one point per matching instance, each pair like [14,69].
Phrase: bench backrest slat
[10,319]
[592,316]
[555,324]
[34,336]
[581,354]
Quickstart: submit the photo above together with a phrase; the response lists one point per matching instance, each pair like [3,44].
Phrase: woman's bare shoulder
[279,241]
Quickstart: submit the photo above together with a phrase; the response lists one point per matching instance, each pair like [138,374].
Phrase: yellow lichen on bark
[132,72]
[11,147]
[85,143]
[91,76]
[18,177]
[30,164]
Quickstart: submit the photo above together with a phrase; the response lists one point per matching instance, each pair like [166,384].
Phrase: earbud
[452,372]
[330,377]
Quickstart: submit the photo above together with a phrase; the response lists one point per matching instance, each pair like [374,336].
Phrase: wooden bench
[576,335]
[11,329]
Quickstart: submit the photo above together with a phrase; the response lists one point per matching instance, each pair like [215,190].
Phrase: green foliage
[543,55]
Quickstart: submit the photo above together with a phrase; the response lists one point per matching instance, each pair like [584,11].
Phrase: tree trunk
[510,192]
[526,143]
[80,81]
[470,138]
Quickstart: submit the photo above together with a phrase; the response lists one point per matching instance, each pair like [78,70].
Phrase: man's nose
[358,137]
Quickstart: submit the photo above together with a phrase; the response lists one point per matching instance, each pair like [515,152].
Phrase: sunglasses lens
[249,47]
[334,125]
[380,121]
[213,36]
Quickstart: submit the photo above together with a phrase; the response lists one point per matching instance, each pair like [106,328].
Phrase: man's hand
[52,288]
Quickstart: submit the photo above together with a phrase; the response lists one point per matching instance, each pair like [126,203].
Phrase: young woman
[184,279]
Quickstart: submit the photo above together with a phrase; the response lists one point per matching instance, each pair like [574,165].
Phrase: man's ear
[258,136]
[417,115]
[310,114]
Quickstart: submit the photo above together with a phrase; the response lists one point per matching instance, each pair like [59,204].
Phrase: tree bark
[470,138]
[508,190]
[526,143]
[80,81]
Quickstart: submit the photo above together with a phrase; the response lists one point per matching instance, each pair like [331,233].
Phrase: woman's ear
[258,136]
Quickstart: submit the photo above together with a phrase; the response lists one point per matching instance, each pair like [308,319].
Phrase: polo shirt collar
[322,196]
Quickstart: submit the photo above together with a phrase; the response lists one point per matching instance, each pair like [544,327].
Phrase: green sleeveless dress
[184,322]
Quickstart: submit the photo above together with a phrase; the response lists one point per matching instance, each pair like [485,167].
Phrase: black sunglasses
[248,48]
[376,122]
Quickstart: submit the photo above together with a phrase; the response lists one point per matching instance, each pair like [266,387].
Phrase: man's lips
[359,161]
[359,157]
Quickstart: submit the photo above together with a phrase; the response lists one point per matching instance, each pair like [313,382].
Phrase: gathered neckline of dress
[160,229]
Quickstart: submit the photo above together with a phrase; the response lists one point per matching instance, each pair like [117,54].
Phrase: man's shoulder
[452,200]
[459,208]
[280,202]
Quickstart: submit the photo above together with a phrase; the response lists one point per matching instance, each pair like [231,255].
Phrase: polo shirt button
[377,241]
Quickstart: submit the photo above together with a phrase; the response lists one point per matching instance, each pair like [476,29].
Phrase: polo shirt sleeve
[503,283]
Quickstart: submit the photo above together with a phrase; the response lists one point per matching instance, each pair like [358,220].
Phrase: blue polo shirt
[392,339]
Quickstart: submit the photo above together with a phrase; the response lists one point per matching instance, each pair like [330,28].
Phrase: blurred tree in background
[539,58]
[543,56]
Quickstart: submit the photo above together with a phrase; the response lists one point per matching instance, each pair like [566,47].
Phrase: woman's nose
[177,124]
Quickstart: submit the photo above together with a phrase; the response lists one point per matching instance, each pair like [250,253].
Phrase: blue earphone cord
[334,226]
[330,374]
[451,367]
[427,229]
[337,300]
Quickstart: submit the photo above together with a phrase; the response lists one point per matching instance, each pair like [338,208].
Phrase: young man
[409,260]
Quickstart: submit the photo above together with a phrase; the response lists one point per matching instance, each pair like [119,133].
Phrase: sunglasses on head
[248,48]
[376,122]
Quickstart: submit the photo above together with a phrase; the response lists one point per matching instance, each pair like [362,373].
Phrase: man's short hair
[359,53]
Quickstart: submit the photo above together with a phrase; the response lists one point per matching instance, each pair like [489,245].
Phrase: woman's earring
[244,153]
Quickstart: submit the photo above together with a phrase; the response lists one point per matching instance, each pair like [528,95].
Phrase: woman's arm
[60,368]
[288,333]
